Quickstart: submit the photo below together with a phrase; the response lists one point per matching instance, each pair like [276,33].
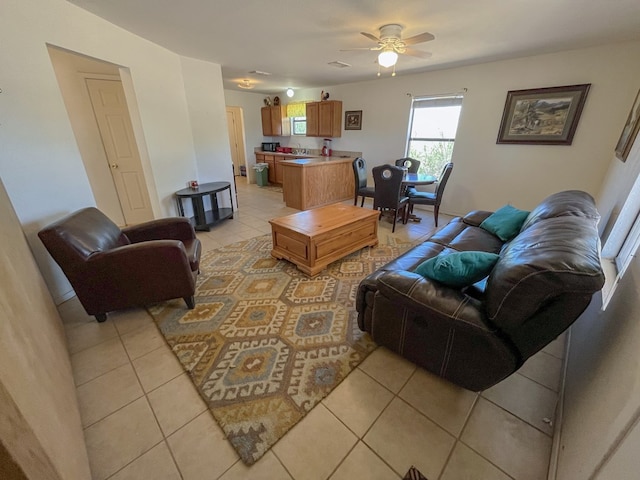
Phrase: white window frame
[442,100]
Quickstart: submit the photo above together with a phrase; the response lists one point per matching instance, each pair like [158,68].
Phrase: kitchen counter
[315,181]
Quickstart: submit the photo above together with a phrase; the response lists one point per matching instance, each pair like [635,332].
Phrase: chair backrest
[72,239]
[360,172]
[388,186]
[442,181]
[411,163]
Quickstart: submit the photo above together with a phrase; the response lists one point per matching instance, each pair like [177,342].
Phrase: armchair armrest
[172,228]
[440,303]
[476,217]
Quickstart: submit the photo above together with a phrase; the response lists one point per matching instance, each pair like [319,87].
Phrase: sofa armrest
[172,228]
[414,292]
[476,217]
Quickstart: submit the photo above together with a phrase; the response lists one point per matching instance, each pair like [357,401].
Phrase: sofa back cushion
[570,203]
[553,260]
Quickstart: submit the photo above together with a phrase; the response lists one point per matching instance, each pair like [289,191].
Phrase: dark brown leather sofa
[478,335]
[112,269]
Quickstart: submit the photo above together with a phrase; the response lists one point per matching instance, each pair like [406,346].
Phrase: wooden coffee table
[314,238]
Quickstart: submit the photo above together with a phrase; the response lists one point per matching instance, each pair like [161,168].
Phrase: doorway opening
[101,109]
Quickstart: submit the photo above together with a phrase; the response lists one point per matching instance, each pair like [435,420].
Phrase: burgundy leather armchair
[112,269]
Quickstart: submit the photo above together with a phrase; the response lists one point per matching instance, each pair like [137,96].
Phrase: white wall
[487,175]
[40,162]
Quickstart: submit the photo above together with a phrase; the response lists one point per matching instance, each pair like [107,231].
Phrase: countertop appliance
[270,146]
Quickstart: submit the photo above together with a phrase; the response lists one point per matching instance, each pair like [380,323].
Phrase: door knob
[114,165]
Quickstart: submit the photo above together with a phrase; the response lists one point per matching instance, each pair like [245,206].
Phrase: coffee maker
[326,147]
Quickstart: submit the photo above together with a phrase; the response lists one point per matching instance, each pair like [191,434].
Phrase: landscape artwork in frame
[630,131]
[353,120]
[542,116]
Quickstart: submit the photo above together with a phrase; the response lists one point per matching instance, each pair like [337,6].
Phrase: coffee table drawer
[340,240]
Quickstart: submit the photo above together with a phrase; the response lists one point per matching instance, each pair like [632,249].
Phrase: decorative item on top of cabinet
[275,121]
[324,119]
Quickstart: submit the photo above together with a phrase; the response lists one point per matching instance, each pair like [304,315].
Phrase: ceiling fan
[390,43]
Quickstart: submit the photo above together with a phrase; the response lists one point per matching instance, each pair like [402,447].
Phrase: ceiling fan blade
[370,36]
[359,48]
[421,38]
[417,53]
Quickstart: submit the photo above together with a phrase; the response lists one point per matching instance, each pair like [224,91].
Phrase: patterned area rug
[272,188]
[265,342]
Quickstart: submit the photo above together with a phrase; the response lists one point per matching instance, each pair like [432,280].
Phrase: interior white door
[112,115]
[235,128]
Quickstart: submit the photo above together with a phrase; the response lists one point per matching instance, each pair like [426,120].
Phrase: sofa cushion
[570,203]
[458,269]
[505,222]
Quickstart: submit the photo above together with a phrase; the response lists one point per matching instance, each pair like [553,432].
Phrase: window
[299,125]
[432,131]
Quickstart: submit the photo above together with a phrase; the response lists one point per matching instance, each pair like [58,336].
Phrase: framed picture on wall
[630,131]
[353,120]
[542,116]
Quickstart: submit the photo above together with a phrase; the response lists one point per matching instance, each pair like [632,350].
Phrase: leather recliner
[111,269]
[478,335]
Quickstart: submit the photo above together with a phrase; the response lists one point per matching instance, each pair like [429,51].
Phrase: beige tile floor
[143,418]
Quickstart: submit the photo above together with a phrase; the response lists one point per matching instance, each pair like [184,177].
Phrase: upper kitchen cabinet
[275,122]
[324,119]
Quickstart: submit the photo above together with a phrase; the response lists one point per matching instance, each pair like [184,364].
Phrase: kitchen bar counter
[316,181]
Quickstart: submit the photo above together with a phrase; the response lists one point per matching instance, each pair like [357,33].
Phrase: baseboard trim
[552,474]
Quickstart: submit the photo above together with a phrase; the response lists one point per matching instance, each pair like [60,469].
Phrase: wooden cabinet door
[325,119]
[276,121]
[278,169]
[312,119]
[267,130]
[271,174]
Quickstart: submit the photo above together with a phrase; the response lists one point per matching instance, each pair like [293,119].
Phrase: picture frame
[353,120]
[630,131]
[542,116]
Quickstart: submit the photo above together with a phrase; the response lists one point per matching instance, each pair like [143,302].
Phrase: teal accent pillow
[458,269]
[505,223]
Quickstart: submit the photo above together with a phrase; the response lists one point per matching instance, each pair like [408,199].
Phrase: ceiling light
[260,72]
[387,58]
[246,83]
[290,92]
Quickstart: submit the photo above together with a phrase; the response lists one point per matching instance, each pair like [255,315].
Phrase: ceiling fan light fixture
[290,92]
[246,84]
[387,58]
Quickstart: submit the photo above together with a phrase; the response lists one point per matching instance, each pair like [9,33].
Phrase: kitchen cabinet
[275,121]
[324,119]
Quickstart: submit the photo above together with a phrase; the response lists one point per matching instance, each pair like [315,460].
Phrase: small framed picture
[353,120]
[630,131]
[542,116]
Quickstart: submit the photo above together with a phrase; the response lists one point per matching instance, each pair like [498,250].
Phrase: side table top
[203,189]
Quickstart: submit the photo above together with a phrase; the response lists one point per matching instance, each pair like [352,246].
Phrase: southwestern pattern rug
[265,342]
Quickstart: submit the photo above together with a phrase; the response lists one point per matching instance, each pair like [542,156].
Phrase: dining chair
[413,165]
[360,175]
[432,198]
[389,193]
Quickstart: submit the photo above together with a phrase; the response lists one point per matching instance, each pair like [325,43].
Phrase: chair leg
[355,200]
[101,317]
[362,202]
[395,217]
[436,209]
[190,301]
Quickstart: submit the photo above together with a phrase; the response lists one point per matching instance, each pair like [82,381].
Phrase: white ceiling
[294,40]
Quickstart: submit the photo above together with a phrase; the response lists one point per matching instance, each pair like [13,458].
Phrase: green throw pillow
[505,223]
[458,269]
